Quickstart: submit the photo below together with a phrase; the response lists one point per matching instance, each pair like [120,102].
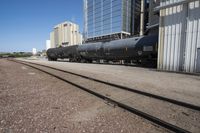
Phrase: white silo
[34,51]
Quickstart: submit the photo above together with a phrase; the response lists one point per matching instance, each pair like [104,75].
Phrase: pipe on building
[142,18]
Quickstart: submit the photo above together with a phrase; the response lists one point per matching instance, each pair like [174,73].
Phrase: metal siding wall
[198,60]
[182,38]
[160,41]
[170,34]
[179,36]
[192,36]
[165,42]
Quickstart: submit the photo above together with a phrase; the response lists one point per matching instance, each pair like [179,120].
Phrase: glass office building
[108,17]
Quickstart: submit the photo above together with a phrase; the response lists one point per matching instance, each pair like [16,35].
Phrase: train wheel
[89,61]
[49,59]
[55,59]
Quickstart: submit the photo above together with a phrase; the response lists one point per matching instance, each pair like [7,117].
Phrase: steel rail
[173,101]
[119,104]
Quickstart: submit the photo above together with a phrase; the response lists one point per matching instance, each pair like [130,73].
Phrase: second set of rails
[107,91]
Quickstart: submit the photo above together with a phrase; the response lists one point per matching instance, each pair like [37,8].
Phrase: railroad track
[119,102]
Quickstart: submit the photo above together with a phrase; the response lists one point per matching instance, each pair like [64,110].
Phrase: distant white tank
[34,51]
[48,44]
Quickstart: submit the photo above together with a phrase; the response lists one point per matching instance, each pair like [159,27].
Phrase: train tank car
[69,52]
[137,48]
[90,51]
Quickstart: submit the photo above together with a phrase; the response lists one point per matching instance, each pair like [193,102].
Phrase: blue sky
[26,24]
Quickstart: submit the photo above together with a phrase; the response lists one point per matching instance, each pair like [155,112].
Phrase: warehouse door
[198,60]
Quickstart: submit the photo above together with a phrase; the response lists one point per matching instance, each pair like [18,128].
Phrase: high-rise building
[110,18]
[65,34]
[153,22]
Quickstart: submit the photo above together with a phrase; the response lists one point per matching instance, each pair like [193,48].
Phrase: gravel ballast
[181,87]
[31,101]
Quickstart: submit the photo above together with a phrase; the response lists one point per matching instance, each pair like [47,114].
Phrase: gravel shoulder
[31,101]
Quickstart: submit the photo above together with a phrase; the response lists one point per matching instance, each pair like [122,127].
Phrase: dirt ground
[31,101]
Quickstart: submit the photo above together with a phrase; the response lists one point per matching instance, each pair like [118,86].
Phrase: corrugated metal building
[179,35]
